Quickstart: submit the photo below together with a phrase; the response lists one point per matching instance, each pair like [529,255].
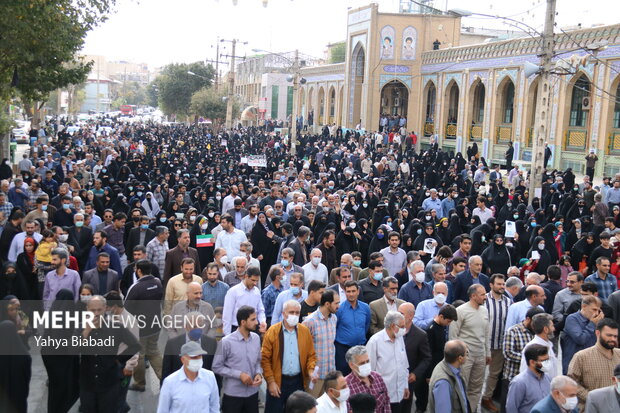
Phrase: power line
[590,52]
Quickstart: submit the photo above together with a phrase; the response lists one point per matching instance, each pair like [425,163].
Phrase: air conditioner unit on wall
[585,103]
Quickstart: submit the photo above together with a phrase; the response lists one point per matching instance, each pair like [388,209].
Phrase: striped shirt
[498,309]
[515,340]
[323,335]
[156,253]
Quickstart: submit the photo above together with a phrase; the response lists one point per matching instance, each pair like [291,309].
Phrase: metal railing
[575,139]
[529,137]
[475,133]
[429,128]
[613,142]
[503,134]
[451,130]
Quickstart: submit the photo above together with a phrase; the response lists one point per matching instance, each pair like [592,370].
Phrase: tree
[176,86]
[337,52]
[209,103]
[129,93]
[39,40]
[152,93]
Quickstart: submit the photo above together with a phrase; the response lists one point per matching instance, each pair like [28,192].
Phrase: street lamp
[189,72]
[297,80]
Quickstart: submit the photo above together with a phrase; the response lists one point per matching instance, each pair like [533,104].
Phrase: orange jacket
[271,355]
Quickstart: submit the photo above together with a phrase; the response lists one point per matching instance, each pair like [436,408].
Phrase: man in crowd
[353,324]
[472,327]
[288,358]
[238,361]
[322,326]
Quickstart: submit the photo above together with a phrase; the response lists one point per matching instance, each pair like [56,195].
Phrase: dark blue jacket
[464,280]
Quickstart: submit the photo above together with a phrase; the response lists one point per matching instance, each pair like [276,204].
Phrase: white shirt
[315,273]
[17,245]
[389,359]
[229,203]
[230,241]
[552,358]
[326,405]
[484,215]
[179,394]
[236,297]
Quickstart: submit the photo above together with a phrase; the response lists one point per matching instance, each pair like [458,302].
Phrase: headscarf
[30,255]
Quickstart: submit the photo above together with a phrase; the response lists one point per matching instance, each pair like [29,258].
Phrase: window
[274,101]
[509,101]
[578,116]
[478,115]
[616,124]
[430,103]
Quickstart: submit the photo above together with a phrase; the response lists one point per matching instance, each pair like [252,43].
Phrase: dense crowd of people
[358,274]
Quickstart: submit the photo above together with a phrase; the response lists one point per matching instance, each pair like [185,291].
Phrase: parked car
[20,135]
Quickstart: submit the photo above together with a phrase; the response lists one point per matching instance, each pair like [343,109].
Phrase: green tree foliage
[337,52]
[129,93]
[39,40]
[209,103]
[176,86]
[152,93]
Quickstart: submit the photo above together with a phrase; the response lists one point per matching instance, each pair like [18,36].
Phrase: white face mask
[63,238]
[292,320]
[570,403]
[401,332]
[344,395]
[541,246]
[618,387]
[546,366]
[224,259]
[420,277]
[316,261]
[194,365]
[364,370]
[440,299]
[352,225]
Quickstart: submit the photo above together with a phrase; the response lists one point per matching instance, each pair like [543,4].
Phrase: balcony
[475,132]
[575,139]
[429,128]
[613,145]
[451,130]
[503,134]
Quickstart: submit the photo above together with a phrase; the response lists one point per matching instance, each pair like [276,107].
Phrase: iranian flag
[204,241]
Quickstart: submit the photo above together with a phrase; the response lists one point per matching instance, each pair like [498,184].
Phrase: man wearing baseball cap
[191,388]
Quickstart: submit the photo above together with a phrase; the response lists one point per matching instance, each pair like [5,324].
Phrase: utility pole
[543,104]
[231,83]
[293,133]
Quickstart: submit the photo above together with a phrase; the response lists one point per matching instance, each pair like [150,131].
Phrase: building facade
[459,95]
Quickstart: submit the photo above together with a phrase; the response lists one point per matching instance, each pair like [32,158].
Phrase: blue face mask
[163,219]
[43,207]
[66,206]
[284,263]
[533,224]
[378,276]
[419,231]
[144,226]
[194,335]
[380,235]
[294,290]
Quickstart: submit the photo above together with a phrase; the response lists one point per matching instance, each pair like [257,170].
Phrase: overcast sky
[163,31]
